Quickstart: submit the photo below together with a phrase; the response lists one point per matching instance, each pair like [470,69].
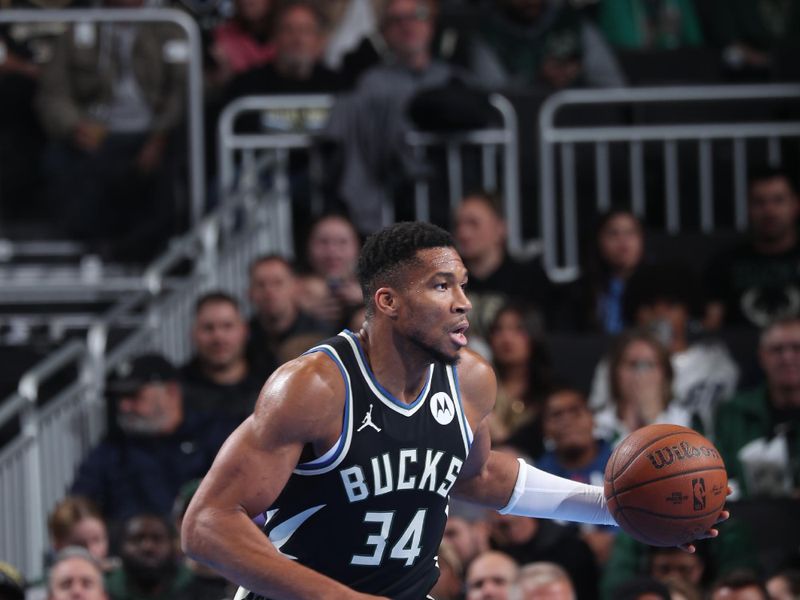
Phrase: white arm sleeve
[541,494]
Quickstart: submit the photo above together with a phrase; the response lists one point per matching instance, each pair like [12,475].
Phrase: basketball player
[355,447]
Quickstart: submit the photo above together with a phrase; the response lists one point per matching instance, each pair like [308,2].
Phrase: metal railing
[245,158]
[37,466]
[195,142]
[558,145]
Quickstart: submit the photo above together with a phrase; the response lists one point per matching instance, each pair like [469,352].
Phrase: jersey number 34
[406,548]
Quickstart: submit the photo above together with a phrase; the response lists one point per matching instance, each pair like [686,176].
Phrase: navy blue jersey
[371,511]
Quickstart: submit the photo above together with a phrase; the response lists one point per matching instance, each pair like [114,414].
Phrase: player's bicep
[295,408]
[251,468]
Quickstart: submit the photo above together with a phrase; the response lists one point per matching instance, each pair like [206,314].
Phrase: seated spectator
[530,540]
[640,381]
[12,583]
[784,585]
[75,575]
[494,276]
[218,378]
[277,316]
[491,576]
[544,581]
[158,444]
[735,549]
[756,281]
[541,43]
[739,585]
[76,521]
[573,452]
[467,530]
[662,298]
[756,431]
[330,291]
[109,101]
[370,125]
[594,302]
[646,25]
[150,566]
[522,364]
[242,42]
[666,563]
[296,67]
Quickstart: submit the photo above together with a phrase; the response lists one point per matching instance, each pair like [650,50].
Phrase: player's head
[412,276]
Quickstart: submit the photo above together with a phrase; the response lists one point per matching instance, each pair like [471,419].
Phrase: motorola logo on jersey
[442,408]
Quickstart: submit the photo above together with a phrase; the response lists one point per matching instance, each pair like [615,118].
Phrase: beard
[432,351]
[138,425]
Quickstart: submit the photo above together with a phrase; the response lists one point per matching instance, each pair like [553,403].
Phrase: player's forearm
[514,487]
[541,494]
[234,546]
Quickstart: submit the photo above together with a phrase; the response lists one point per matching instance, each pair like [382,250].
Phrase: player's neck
[400,368]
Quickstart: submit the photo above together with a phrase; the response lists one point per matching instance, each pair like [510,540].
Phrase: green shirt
[118,587]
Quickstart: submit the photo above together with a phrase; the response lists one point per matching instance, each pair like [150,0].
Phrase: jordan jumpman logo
[368,421]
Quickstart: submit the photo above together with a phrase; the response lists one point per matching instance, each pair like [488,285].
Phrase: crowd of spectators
[106,106]
[167,422]
[93,114]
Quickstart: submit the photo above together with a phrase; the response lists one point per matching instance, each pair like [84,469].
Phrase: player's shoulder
[311,382]
[477,380]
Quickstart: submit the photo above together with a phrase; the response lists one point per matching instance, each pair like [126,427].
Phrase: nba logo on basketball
[699,493]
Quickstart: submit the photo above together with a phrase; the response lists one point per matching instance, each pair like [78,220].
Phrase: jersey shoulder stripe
[331,459]
[466,430]
[380,392]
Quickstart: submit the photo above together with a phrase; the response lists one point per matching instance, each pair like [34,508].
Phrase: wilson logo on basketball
[682,451]
[699,493]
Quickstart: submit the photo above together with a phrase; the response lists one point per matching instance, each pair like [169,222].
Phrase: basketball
[665,485]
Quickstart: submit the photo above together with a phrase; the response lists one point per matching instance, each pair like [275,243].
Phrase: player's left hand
[711,533]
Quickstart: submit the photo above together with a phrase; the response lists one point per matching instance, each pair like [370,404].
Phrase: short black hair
[213,298]
[393,248]
[265,258]
[739,579]
[286,5]
[672,282]
[765,172]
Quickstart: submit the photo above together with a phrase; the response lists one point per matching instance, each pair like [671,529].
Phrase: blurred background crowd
[696,331]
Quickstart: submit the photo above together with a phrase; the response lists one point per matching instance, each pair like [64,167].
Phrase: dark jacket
[127,475]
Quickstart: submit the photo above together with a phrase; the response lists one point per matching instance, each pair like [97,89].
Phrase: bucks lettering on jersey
[371,511]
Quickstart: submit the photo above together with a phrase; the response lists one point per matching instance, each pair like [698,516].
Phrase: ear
[387,302]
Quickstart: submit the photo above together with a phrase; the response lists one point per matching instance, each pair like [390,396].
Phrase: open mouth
[458,334]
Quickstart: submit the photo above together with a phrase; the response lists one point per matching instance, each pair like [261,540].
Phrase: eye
[442,287]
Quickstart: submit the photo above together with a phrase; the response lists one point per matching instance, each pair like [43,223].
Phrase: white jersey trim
[334,455]
[386,398]
[466,430]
